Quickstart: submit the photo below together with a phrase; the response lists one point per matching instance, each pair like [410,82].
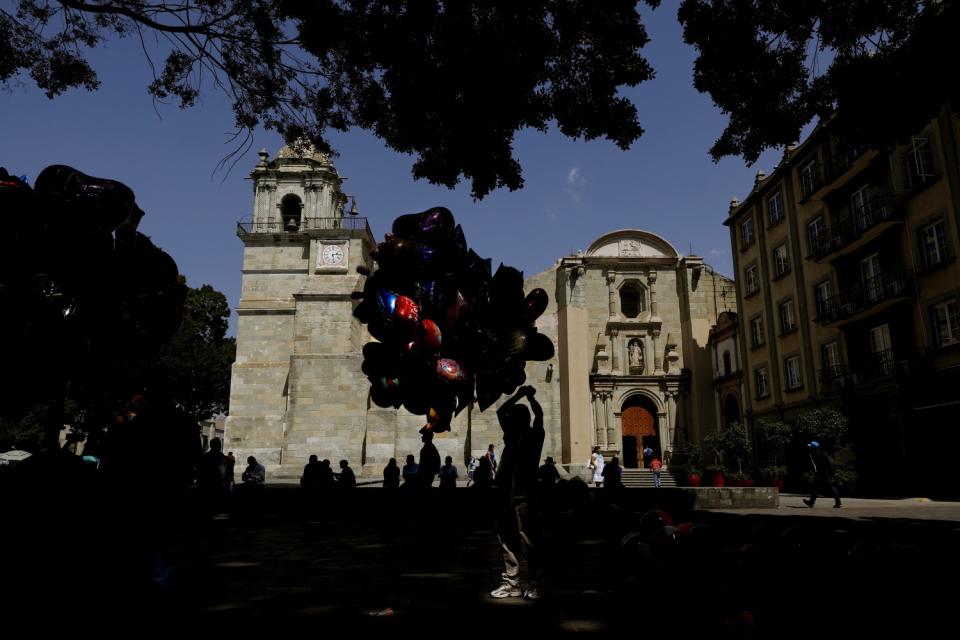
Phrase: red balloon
[406,310]
[429,337]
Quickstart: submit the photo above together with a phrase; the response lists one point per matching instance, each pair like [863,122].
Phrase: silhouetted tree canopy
[193,370]
[774,65]
[448,81]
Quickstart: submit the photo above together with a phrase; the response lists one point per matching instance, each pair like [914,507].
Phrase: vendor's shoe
[808,502]
[507,589]
[533,593]
[836,506]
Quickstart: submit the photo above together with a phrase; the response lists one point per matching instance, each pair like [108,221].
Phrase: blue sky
[575,191]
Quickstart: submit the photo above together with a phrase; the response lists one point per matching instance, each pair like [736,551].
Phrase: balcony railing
[293,225]
[878,366]
[844,158]
[854,226]
[889,285]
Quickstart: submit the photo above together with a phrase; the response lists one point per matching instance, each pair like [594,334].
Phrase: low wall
[734,497]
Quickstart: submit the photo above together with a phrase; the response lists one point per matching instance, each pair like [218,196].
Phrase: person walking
[822,476]
[596,465]
[491,457]
[657,467]
[647,456]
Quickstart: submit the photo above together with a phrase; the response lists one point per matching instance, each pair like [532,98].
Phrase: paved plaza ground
[384,563]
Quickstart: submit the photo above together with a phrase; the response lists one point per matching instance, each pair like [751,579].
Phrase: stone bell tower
[296,386]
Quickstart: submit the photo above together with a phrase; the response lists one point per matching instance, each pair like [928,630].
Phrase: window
[830,355]
[913,166]
[871,277]
[815,233]
[751,280]
[726,363]
[781,262]
[920,160]
[860,209]
[946,324]
[631,300]
[792,369]
[809,178]
[775,207]
[823,294]
[882,347]
[933,244]
[762,382]
[756,331]
[788,321]
[746,233]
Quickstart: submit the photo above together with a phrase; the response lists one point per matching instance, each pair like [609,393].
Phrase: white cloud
[575,184]
[718,252]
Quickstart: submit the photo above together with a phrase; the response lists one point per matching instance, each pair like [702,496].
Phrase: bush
[828,426]
[729,445]
[772,438]
[773,472]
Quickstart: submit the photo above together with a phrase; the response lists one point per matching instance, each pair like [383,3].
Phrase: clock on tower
[332,256]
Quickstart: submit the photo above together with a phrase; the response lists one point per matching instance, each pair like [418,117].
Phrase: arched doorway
[639,429]
[731,410]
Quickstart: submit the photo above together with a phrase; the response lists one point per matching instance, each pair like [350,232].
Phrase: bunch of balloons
[91,293]
[449,331]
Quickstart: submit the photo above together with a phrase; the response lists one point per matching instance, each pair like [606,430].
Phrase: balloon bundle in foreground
[92,291]
[449,331]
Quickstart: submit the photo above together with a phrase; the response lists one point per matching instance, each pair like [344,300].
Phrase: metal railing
[878,366]
[293,225]
[850,228]
[844,158]
[889,285]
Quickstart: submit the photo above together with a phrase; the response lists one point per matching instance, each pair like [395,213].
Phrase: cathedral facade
[630,318]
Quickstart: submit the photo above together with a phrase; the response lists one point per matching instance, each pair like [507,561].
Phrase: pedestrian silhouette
[391,475]
[518,525]
[822,475]
[448,475]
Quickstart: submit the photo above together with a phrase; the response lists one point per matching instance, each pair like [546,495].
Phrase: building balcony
[719,377]
[844,164]
[879,367]
[861,225]
[301,226]
[867,298]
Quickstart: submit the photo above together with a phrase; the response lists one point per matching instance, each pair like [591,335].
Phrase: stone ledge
[733,497]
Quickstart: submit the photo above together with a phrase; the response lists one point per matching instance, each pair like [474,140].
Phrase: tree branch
[141,18]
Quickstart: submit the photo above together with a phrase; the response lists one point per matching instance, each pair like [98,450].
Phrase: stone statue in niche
[635,352]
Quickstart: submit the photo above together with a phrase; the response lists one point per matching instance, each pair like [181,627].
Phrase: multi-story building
[849,294]
[724,343]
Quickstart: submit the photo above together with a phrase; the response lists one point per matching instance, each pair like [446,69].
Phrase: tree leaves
[448,81]
[774,65]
